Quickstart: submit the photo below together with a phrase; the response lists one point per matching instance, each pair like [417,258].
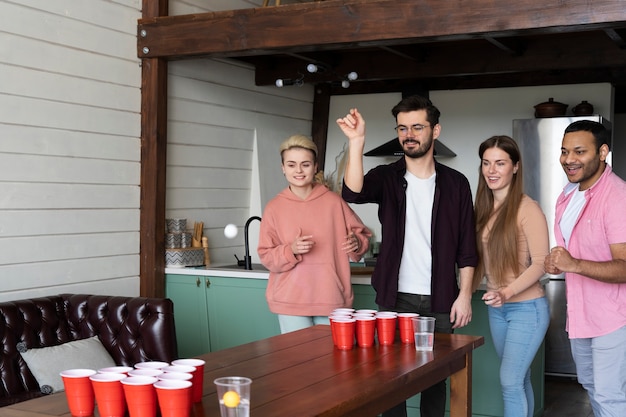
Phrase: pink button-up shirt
[595,308]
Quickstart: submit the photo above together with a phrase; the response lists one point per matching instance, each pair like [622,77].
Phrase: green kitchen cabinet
[238,312]
[364,296]
[486,393]
[190,313]
[213,313]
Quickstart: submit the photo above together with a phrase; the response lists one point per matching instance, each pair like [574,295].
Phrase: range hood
[393,148]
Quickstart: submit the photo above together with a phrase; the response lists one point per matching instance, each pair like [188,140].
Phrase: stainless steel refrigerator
[540,144]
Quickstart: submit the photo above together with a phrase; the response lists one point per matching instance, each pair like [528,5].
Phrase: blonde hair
[299,141]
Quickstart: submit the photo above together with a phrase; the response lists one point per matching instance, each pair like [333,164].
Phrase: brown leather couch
[132,329]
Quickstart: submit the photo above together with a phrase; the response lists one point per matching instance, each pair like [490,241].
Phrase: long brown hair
[502,241]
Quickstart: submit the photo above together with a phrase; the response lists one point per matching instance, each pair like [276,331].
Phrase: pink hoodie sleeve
[274,255]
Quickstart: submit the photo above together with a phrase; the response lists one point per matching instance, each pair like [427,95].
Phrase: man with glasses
[428,231]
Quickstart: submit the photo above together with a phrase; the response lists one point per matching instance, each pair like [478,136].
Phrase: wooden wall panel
[46,221]
[59,169]
[71,149]
[69,154]
[215,115]
[70,88]
[116,17]
[77,275]
[25,196]
[57,29]
[37,140]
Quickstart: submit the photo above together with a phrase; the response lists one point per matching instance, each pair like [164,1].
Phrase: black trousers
[433,399]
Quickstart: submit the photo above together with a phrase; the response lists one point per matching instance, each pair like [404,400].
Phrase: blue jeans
[518,329]
[601,369]
[293,323]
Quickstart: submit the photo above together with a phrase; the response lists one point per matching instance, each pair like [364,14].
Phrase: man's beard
[420,151]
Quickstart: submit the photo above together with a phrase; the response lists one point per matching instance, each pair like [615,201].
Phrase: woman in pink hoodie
[308,235]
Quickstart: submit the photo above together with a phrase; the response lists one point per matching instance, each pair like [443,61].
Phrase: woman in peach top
[512,237]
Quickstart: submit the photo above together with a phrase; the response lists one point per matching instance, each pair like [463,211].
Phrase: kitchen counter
[360,274]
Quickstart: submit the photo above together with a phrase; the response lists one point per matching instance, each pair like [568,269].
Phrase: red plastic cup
[174,397]
[181,376]
[115,370]
[78,391]
[332,318]
[109,394]
[343,310]
[179,368]
[184,372]
[344,331]
[145,372]
[198,376]
[151,365]
[340,315]
[332,331]
[405,323]
[140,395]
[386,328]
[365,330]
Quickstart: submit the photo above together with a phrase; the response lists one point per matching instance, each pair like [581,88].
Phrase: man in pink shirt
[590,231]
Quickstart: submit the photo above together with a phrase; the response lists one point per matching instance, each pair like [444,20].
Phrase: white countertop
[231,271]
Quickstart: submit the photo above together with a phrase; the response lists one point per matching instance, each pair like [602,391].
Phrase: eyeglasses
[416,129]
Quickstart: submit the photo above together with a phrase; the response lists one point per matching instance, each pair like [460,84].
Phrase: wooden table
[302,374]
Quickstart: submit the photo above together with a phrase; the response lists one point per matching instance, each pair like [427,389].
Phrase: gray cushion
[47,363]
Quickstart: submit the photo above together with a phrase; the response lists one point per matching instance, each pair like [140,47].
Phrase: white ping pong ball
[230,231]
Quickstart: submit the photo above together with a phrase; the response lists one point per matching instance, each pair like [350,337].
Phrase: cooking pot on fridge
[550,108]
[583,109]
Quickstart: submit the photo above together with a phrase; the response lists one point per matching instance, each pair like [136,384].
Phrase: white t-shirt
[416,264]
[570,215]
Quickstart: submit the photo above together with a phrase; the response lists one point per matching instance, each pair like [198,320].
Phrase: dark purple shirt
[453,230]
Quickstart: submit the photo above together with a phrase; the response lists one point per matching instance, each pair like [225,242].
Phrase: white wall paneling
[70,149]
[213,167]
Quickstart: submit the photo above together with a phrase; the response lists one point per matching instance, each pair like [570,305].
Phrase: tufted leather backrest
[132,329]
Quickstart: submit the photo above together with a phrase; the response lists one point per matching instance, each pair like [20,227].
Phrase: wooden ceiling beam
[557,52]
[347,23]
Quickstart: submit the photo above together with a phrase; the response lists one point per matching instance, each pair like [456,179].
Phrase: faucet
[247,259]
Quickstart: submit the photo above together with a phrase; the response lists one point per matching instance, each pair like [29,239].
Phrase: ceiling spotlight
[313,68]
[352,76]
[282,82]
[345,84]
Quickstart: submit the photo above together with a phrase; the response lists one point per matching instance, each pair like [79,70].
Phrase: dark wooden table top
[302,374]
